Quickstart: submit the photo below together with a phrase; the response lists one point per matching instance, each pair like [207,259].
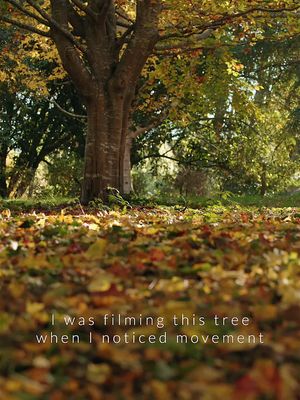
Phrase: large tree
[104,45]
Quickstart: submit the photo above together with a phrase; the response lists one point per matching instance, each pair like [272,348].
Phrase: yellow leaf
[101,283]
[6,213]
[33,308]
[151,231]
[16,289]
[98,373]
[97,250]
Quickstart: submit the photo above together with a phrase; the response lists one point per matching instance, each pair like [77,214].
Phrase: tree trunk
[105,68]
[104,149]
[263,178]
[127,182]
[3,184]
[15,175]
[21,178]
[25,181]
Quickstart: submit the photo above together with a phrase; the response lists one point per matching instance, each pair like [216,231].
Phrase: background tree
[238,121]
[40,114]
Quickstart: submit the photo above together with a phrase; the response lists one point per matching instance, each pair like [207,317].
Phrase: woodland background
[222,116]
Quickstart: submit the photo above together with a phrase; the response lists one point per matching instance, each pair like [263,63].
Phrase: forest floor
[213,292]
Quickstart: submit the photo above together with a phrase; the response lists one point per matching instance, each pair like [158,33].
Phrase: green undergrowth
[194,202]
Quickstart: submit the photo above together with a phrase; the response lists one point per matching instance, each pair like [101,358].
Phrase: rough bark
[102,149]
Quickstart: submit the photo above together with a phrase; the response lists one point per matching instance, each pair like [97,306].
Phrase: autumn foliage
[150,261]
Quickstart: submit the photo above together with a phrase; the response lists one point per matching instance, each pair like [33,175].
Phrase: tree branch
[189,40]
[138,131]
[26,27]
[122,24]
[205,30]
[70,57]
[87,10]
[123,15]
[70,114]
[30,14]
[55,25]
[262,9]
[194,162]
[123,39]
[76,21]
[141,43]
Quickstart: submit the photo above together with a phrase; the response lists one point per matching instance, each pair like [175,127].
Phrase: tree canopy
[115,51]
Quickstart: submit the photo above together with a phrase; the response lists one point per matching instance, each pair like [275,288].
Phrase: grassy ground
[279,200]
[227,199]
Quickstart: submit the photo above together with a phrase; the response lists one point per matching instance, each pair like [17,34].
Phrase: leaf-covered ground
[156,262]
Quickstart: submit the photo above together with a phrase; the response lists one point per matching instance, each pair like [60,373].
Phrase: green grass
[282,200]
[30,204]
[224,199]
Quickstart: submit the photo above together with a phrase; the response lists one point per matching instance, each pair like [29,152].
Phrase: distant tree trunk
[127,182]
[22,176]
[25,181]
[263,178]
[3,184]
